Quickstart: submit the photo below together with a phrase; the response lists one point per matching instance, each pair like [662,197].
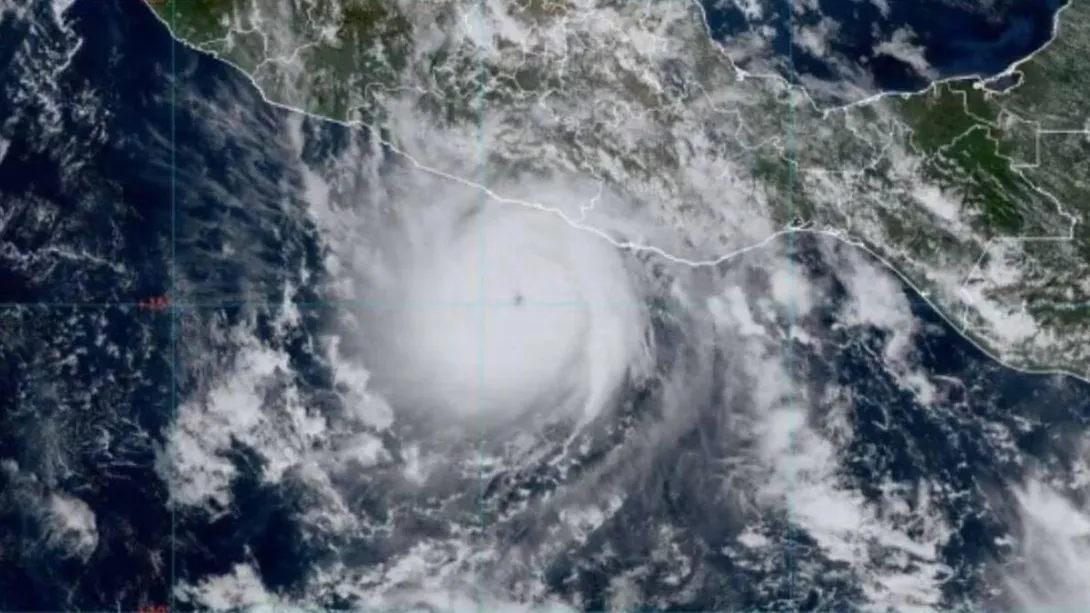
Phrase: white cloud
[901,47]
[1054,546]
[72,524]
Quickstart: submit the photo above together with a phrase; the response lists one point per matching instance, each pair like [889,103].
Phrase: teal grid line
[481,293]
[173,287]
[321,304]
[482,306]
[792,161]
[291,609]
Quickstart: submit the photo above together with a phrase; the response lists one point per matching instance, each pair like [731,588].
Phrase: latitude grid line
[481,304]
[350,305]
[293,609]
[174,308]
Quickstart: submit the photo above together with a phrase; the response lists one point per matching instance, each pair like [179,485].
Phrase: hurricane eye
[479,349]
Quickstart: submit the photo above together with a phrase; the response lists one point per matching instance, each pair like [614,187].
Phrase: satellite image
[545,306]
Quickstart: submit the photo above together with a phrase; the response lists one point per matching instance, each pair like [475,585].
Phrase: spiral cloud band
[503,310]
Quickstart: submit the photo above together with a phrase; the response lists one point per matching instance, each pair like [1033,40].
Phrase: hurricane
[541,306]
[477,308]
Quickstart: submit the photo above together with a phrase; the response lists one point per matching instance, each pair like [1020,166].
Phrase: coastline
[977,80]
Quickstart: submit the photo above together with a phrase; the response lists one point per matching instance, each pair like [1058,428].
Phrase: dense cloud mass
[490,309]
[504,363]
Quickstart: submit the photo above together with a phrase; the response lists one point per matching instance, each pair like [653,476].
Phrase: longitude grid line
[481,293]
[792,162]
[480,304]
[173,286]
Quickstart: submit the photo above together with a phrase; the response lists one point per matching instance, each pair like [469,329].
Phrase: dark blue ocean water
[957,38]
[945,446]
[952,442]
[121,180]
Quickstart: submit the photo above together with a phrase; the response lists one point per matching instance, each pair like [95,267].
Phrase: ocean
[952,38]
[121,181]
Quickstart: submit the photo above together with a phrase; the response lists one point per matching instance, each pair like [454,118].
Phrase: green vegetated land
[342,75]
[955,126]
[953,129]
[195,20]
[984,144]
[979,146]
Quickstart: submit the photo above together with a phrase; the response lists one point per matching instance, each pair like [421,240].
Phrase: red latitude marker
[155,303]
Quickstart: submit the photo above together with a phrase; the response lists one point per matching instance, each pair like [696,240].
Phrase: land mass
[976,196]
